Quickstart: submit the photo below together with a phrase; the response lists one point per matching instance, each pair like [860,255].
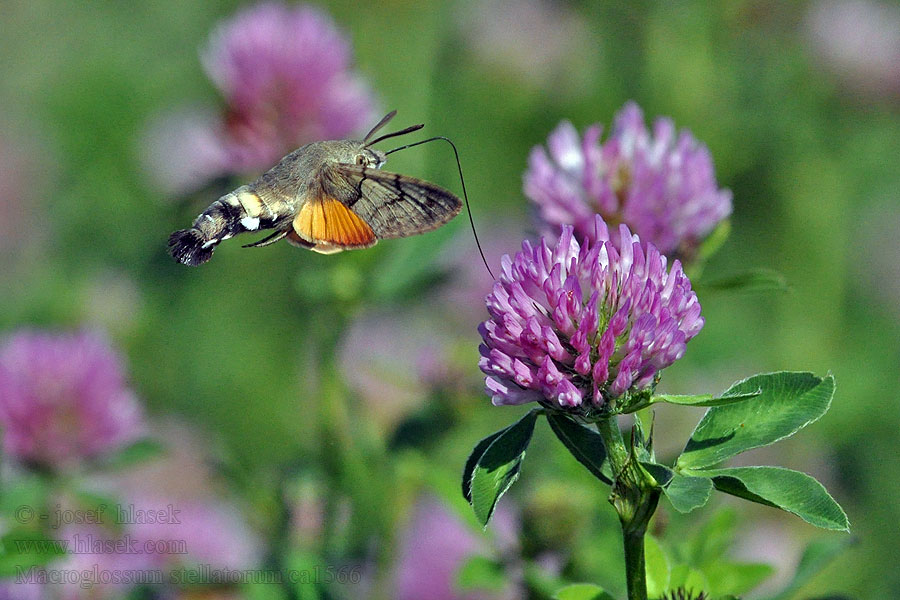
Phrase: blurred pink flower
[25,173]
[161,518]
[184,149]
[10,590]
[182,472]
[502,34]
[434,546]
[91,567]
[859,40]
[202,532]
[131,547]
[63,398]
[394,361]
[181,481]
[659,182]
[285,73]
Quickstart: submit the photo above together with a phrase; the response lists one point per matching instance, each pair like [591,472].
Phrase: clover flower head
[574,326]
[661,183]
[63,398]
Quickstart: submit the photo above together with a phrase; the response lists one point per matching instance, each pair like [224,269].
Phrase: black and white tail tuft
[189,247]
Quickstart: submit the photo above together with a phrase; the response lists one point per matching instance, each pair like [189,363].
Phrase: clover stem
[635,500]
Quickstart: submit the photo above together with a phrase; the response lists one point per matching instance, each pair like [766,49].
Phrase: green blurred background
[244,347]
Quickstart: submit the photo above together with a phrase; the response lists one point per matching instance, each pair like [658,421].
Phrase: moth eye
[361,159]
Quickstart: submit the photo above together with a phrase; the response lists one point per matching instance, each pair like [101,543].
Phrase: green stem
[634,500]
[616,451]
[635,569]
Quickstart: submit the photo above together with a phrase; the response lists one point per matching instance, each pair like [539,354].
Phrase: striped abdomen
[236,212]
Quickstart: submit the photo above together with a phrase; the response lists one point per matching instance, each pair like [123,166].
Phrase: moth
[325,196]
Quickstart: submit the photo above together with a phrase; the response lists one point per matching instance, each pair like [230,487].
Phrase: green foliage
[657,567]
[714,241]
[754,280]
[472,462]
[817,555]
[133,454]
[788,490]
[582,591]
[757,411]
[787,403]
[585,445]
[22,548]
[498,466]
[480,573]
[685,492]
[692,580]
[705,399]
[735,579]
[702,556]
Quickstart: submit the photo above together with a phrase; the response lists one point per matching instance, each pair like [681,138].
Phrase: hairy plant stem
[635,499]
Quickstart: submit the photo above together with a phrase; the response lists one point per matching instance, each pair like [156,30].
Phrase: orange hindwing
[327,222]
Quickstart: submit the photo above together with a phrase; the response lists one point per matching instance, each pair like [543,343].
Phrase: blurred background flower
[22,180]
[185,478]
[286,76]
[394,362]
[533,43]
[164,517]
[206,531]
[661,185]
[184,149]
[22,591]
[859,41]
[435,545]
[64,398]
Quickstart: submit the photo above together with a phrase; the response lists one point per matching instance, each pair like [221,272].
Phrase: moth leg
[269,239]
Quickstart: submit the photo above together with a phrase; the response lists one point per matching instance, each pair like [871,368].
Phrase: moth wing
[326,224]
[393,205]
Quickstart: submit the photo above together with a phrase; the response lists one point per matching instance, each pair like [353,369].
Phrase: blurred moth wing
[327,197]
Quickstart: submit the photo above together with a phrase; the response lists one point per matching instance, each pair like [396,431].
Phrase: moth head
[369,157]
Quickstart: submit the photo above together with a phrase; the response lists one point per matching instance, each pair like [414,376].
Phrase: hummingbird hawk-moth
[325,196]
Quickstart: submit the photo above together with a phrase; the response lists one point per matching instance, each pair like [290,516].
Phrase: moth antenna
[462,181]
[384,120]
[409,129]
